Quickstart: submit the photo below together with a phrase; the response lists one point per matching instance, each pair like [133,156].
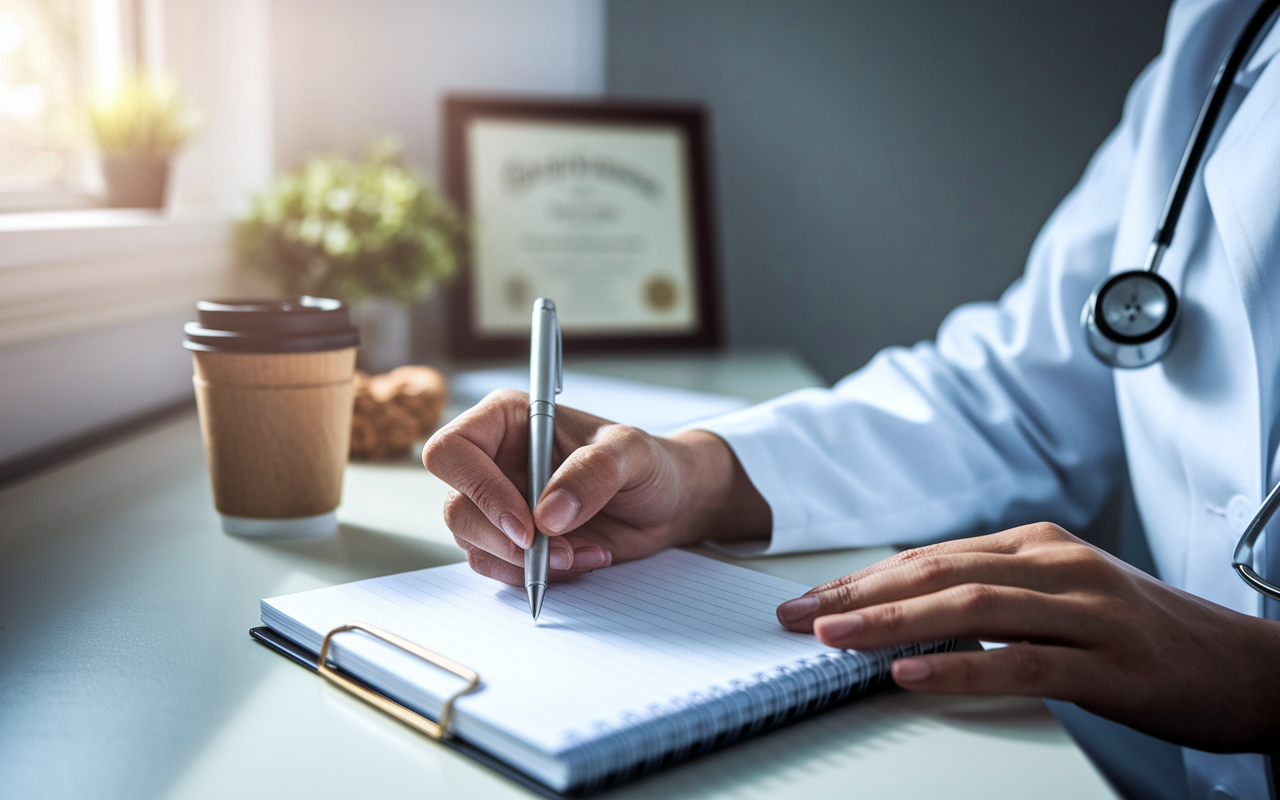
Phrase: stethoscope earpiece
[1130,319]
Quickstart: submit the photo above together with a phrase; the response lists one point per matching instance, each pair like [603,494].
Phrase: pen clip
[559,356]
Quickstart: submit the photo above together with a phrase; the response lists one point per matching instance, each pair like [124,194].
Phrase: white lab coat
[1007,418]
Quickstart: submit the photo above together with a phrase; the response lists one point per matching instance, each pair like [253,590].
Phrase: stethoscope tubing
[1203,130]
[1242,559]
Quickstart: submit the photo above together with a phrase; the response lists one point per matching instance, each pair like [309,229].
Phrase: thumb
[619,458]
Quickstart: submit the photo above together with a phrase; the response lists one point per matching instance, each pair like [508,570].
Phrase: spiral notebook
[628,669]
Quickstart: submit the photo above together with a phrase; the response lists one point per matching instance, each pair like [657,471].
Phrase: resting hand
[617,493]
[1087,628]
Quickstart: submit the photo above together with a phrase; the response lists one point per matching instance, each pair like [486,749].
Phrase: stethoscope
[1131,318]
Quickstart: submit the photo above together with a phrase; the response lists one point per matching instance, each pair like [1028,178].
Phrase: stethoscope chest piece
[1130,319]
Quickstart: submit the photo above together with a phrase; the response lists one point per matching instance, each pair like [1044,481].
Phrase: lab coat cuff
[742,431]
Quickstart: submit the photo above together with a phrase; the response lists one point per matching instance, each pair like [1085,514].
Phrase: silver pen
[546,380]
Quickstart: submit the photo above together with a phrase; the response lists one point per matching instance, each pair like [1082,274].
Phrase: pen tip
[536,592]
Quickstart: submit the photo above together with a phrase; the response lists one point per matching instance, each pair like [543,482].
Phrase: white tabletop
[126,669]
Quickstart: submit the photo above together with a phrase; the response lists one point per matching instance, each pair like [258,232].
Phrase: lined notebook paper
[657,409]
[628,667]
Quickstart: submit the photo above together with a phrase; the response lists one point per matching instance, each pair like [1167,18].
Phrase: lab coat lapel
[1242,179]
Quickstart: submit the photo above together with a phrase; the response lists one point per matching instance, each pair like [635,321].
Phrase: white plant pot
[386,340]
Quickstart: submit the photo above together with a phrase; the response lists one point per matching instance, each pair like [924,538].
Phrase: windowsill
[41,199]
[96,218]
[68,271]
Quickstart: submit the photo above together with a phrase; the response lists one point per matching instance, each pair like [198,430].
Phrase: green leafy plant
[141,116]
[353,230]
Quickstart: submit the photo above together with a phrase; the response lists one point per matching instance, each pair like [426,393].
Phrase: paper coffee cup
[274,386]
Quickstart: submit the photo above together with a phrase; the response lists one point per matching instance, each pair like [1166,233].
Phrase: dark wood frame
[460,110]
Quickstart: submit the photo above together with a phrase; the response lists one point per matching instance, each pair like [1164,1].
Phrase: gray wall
[345,73]
[879,163]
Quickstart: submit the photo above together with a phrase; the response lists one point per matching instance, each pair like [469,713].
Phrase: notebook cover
[304,657]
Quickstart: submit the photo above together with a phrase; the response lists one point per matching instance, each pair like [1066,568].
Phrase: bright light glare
[24,102]
[107,43]
[49,51]
[11,32]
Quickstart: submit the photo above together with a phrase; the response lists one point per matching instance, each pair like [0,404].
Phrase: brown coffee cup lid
[289,325]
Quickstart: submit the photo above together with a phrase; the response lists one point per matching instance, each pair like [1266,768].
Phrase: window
[52,53]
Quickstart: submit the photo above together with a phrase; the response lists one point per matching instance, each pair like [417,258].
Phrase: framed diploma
[602,207]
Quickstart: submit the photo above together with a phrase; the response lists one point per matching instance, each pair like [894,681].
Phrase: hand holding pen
[620,493]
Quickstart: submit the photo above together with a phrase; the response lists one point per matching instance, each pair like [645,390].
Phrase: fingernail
[841,627]
[912,670]
[558,510]
[561,554]
[798,609]
[513,529]
[590,558]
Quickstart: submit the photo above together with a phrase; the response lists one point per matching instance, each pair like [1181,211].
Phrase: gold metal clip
[411,718]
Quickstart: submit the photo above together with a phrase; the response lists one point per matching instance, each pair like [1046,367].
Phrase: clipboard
[749,684]
[311,661]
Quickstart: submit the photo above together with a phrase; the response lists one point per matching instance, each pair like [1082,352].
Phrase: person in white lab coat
[1004,419]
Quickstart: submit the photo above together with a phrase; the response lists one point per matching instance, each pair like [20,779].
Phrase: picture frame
[603,206]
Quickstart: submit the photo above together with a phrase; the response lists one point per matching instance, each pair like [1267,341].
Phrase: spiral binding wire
[645,740]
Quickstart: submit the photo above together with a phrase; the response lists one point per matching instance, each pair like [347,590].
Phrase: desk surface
[126,669]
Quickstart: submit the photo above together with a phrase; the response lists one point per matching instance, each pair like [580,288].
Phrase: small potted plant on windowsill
[370,232]
[138,126]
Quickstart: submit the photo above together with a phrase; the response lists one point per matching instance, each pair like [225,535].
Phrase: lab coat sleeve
[1006,418]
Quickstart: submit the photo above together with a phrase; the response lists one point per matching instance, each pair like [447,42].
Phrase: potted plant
[139,125]
[371,232]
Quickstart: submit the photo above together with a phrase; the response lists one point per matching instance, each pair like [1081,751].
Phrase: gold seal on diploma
[660,293]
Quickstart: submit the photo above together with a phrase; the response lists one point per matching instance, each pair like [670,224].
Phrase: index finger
[989,559]
[464,455]
[1002,543]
